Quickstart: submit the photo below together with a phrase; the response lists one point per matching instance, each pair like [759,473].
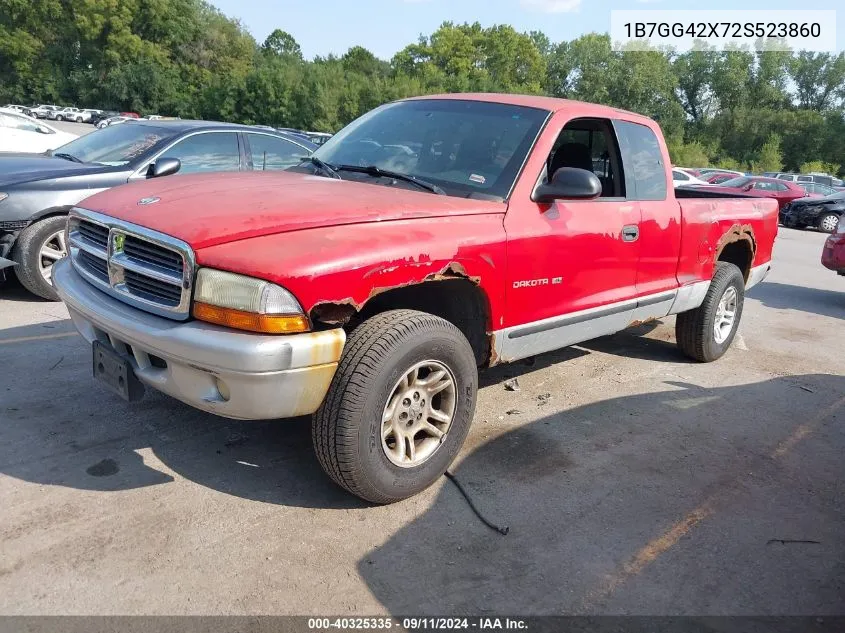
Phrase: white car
[19,133]
[43,111]
[681,177]
[70,114]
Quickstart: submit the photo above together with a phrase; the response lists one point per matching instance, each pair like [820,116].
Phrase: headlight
[246,303]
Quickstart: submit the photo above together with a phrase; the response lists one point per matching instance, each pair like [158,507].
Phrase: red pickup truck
[429,238]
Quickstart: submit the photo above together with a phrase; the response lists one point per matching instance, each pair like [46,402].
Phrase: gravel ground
[632,481]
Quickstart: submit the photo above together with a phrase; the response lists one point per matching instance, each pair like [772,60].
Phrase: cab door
[648,182]
[572,264]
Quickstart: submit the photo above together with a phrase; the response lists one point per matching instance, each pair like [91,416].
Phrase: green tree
[770,158]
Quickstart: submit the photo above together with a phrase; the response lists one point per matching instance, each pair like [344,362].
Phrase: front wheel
[59,117]
[38,247]
[399,407]
[829,222]
[706,333]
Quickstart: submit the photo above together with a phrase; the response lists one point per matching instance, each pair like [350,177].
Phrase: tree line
[760,111]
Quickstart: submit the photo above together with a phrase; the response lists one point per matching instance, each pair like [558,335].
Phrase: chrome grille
[152,289]
[152,254]
[94,265]
[144,268]
[94,234]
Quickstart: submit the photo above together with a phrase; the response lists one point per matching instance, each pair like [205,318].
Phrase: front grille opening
[153,254]
[94,265]
[159,292]
[157,361]
[94,233]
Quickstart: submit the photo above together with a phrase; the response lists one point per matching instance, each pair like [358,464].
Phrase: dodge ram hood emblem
[152,200]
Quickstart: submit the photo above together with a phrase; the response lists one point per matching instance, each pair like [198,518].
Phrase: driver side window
[589,144]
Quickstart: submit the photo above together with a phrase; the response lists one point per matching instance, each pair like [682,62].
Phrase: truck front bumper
[229,373]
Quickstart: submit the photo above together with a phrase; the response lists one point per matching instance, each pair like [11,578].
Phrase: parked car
[43,111]
[20,133]
[681,177]
[709,171]
[814,187]
[102,115]
[318,138]
[760,187]
[371,296]
[833,252]
[114,120]
[21,110]
[718,178]
[131,115]
[38,191]
[820,213]
[70,114]
[823,179]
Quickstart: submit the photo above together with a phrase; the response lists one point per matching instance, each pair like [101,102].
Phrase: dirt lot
[642,483]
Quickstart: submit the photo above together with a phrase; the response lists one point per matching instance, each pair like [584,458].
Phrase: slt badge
[152,200]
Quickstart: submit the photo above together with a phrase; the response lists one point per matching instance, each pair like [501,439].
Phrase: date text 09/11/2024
[417,624]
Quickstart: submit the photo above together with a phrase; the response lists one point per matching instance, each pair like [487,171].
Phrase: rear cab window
[645,169]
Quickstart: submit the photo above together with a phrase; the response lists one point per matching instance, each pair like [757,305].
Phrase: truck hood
[207,210]
[19,168]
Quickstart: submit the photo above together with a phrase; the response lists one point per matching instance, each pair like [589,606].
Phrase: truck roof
[552,104]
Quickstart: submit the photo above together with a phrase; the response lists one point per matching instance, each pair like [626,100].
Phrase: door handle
[630,233]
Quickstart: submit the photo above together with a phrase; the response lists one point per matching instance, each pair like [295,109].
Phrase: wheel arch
[450,295]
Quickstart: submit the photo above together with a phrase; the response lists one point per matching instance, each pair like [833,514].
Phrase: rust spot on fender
[335,312]
[635,322]
[340,312]
[452,271]
[491,345]
[737,233]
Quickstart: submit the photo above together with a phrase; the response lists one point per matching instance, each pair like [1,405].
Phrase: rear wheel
[829,222]
[38,247]
[59,117]
[399,407]
[707,332]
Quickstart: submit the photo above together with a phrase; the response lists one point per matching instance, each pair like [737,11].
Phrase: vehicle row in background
[37,191]
[21,133]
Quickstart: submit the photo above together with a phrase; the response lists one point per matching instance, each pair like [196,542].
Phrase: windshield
[839,195]
[465,147]
[736,182]
[117,145]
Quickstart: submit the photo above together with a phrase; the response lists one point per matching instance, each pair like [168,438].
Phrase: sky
[386,26]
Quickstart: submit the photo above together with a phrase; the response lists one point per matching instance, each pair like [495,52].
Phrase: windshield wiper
[325,167]
[69,157]
[373,170]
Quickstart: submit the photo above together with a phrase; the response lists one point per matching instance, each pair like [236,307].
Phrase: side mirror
[164,167]
[569,183]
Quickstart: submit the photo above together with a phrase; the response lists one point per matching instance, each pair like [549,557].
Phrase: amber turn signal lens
[240,320]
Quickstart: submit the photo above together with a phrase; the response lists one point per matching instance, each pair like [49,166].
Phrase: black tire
[832,220]
[59,117]
[346,430]
[27,254]
[694,330]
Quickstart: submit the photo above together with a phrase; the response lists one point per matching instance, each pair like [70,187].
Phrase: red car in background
[781,190]
[718,179]
[131,115]
[833,253]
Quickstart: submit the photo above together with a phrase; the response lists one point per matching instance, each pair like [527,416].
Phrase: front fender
[349,265]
